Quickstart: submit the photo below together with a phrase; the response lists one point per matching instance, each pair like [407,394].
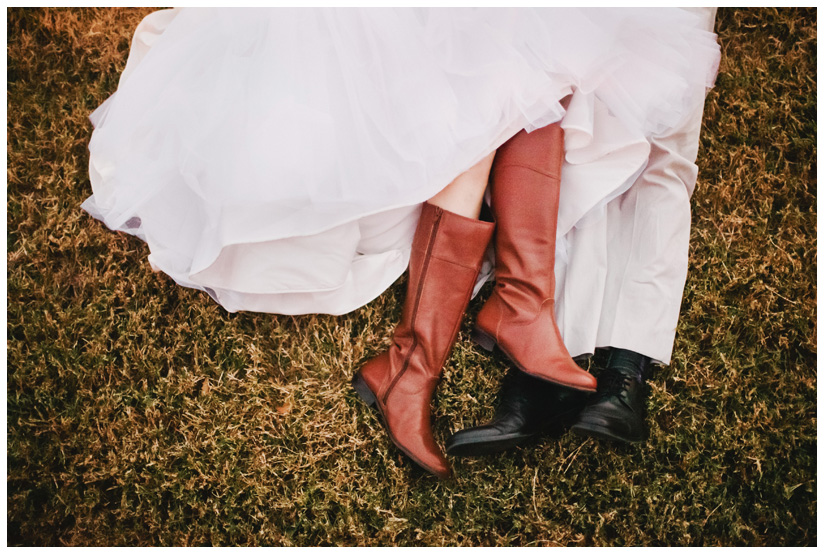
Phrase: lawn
[142,413]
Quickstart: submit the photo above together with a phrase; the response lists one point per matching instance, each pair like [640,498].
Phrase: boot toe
[610,422]
[584,381]
[431,461]
[416,441]
[578,379]
[484,440]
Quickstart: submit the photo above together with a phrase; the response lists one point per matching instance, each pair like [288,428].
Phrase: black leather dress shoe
[616,411]
[528,407]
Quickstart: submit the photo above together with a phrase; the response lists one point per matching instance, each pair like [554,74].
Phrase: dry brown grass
[140,413]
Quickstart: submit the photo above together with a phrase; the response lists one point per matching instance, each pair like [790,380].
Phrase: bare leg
[465,193]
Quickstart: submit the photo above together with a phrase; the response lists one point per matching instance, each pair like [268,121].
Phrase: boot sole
[366,394]
[486,342]
[600,432]
[363,390]
[482,448]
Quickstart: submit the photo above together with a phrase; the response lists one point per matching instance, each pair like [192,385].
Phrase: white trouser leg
[621,281]
[648,231]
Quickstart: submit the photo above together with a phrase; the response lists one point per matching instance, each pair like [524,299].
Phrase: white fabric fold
[277,158]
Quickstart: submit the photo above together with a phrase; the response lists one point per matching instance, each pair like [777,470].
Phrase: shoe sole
[480,449]
[366,394]
[489,344]
[599,432]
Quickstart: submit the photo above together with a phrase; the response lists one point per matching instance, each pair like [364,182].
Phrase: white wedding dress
[277,158]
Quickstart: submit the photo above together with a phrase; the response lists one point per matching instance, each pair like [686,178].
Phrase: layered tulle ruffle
[278,158]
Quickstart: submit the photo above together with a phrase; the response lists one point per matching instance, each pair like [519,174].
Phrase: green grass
[141,413]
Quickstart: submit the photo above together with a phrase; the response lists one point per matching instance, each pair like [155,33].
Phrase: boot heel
[483,340]
[363,390]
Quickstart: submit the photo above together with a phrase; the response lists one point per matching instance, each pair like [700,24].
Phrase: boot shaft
[525,196]
[446,256]
[519,316]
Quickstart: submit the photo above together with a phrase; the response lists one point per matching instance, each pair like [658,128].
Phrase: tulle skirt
[277,158]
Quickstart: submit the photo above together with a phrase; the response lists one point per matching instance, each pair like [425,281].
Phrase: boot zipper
[430,245]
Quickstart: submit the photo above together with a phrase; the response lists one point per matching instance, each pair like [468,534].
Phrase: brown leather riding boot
[519,317]
[446,255]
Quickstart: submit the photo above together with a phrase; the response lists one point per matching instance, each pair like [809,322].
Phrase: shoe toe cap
[611,421]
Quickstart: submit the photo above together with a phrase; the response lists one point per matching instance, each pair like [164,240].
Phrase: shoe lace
[612,382]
